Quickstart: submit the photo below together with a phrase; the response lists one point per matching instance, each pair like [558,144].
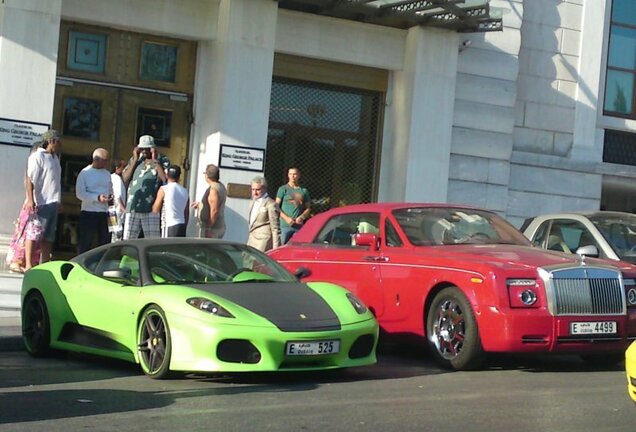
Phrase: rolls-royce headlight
[357,303]
[630,291]
[631,297]
[523,293]
[209,306]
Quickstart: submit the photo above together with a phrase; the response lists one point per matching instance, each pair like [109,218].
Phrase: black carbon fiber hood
[289,306]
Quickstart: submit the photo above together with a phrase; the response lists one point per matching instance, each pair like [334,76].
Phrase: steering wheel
[232,275]
[163,274]
[479,236]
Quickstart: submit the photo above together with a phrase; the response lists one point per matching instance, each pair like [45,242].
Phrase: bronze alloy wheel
[154,343]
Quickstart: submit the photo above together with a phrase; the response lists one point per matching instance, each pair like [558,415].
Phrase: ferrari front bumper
[195,347]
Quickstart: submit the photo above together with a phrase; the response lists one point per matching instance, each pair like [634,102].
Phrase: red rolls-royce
[468,282]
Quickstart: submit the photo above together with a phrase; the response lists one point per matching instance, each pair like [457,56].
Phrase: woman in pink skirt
[27,227]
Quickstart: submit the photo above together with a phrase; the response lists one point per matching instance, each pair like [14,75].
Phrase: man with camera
[94,189]
[144,175]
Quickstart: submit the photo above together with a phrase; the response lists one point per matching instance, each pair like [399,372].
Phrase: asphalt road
[403,392]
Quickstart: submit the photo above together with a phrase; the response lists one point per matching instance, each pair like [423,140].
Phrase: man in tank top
[211,208]
[174,198]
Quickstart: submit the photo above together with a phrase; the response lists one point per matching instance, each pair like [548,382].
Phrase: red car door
[339,260]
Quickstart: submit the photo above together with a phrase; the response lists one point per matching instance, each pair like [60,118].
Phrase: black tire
[603,360]
[452,333]
[154,343]
[36,326]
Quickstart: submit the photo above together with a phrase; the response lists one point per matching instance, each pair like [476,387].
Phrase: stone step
[4,248]
[10,287]
[9,313]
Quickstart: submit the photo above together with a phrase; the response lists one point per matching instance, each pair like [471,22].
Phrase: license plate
[593,327]
[312,348]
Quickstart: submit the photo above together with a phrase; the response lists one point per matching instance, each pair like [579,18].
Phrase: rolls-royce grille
[587,291]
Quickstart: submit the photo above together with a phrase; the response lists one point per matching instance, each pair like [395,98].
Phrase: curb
[11,343]
[11,334]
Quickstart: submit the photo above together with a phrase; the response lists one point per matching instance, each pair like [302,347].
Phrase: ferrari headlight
[209,306]
[357,303]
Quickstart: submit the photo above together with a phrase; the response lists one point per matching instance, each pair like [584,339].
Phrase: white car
[602,234]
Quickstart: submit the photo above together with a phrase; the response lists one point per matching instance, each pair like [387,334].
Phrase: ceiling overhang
[464,16]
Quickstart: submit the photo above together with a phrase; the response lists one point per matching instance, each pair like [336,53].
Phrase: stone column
[415,157]
[588,140]
[232,96]
[29,34]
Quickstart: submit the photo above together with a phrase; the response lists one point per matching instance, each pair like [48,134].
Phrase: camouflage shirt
[144,184]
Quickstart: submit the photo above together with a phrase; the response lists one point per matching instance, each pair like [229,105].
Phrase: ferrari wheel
[36,327]
[452,331]
[154,343]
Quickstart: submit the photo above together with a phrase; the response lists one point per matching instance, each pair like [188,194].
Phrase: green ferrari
[193,305]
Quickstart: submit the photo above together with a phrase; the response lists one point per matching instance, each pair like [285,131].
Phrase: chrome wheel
[449,330]
[452,331]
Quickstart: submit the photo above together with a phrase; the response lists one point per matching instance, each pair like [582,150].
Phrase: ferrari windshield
[428,226]
[619,229]
[212,262]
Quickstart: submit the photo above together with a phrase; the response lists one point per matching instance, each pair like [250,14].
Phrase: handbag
[34,229]
[113,220]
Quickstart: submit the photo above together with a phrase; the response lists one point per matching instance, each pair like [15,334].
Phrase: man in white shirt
[44,192]
[174,198]
[94,189]
[264,228]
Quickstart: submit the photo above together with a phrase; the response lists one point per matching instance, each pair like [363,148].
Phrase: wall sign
[242,158]
[237,190]
[21,133]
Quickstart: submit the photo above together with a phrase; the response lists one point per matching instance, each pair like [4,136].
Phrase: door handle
[376,258]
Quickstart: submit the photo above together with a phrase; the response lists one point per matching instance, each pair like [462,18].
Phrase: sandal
[15,268]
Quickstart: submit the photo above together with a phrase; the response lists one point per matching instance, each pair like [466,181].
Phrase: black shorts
[178,230]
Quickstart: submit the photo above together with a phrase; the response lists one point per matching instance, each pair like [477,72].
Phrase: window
[621,60]
[124,259]
[392,237]
[569,235]
[331,133]
[539,236]
[339,230]
[91,261]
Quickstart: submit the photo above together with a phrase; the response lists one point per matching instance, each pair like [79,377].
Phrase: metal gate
[331,134]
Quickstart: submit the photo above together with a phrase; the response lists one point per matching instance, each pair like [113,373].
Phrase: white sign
[242,158]
[20,133]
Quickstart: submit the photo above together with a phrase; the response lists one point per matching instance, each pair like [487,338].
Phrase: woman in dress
[27,226]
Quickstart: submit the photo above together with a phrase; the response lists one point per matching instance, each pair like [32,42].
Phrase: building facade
[531,119]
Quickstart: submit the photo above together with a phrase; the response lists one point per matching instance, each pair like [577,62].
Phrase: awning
[464,16]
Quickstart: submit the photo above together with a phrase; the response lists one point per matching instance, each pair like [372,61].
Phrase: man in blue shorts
[44,192]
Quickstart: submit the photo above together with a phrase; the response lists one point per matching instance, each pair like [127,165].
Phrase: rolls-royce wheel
[452,332]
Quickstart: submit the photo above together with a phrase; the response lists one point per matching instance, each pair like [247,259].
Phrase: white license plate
[312,348]
[593,327]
